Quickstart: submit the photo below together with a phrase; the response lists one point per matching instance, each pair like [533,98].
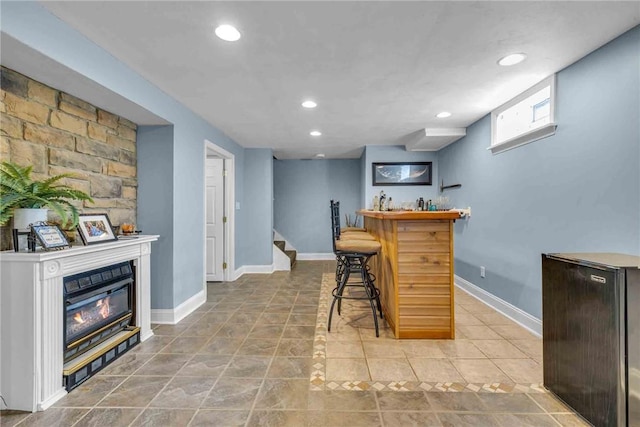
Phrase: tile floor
[250,357]
[490,352]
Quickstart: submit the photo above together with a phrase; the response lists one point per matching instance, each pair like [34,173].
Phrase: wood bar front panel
[414,273]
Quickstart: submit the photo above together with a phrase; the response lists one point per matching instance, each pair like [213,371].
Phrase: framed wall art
[402,173]
[95,228]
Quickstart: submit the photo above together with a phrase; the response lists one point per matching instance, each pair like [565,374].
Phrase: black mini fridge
[591,334]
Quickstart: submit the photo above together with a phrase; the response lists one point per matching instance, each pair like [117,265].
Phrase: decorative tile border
[318,381]
[318,378]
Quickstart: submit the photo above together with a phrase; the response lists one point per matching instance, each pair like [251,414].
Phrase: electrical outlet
[481,271]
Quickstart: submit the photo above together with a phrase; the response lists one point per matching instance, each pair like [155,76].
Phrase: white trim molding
[254,269]
[524,319]
[525,138]
[311,256]
[171,316]
[229,209]
[281,262]
[546,127]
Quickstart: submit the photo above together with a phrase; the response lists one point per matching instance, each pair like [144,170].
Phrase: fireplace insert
[98,304]
[98,319]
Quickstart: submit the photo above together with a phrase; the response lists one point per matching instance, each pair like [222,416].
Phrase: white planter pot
[23,217]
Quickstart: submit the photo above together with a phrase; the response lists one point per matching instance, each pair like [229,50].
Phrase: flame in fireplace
[104,307]
[103,310]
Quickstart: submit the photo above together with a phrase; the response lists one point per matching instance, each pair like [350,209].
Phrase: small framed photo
[50,237]
[95,228]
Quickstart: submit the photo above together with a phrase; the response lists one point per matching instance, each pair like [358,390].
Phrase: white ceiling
[379,71]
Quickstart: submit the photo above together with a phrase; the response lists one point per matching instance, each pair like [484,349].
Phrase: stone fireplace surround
[31,314]
[57,133]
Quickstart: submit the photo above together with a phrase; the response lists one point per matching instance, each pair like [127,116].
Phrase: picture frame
[23,241]
[50,237]
[402,173]
[95,228]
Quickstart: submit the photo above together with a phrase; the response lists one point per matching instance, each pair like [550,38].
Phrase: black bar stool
[348,233]
[352,256]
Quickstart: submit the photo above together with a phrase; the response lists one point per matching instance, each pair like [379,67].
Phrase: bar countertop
[409,215]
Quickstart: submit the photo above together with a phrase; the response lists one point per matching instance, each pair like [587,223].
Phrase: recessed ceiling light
[315,133]
[228,33]
[513,59]
[309,104]
[443,115]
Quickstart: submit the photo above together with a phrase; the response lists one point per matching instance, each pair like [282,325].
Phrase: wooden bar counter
[414,270]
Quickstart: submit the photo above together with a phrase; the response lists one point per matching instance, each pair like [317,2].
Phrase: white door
[214,214]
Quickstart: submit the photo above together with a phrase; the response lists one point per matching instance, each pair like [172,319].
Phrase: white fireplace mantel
[31,314]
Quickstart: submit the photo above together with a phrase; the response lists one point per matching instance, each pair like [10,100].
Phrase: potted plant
[20,193]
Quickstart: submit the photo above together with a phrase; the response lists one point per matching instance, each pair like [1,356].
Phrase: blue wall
[406,193]
[577,191]
[155,149]
[303,189]
[257,212]
[179,259]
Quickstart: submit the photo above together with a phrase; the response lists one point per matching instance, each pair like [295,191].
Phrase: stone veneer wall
[57,133]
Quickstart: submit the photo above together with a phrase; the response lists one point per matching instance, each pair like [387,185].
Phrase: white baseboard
[144,337]
[52,399]
[255,269]
[524,319]
[316,257]
[173,316]
[268,269]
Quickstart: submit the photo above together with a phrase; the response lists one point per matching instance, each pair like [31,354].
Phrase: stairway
[290,253]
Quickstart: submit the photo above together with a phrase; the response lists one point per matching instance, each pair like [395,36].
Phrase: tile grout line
[544,409]
[174,375]
[496,417]
[200,408]
[466,386]
[255,399]
[95,406]
[159,352]
[125,378]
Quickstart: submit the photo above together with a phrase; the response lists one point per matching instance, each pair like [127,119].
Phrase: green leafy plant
[19,190]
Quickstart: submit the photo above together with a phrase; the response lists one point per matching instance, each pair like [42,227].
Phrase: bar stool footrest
[374,297]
